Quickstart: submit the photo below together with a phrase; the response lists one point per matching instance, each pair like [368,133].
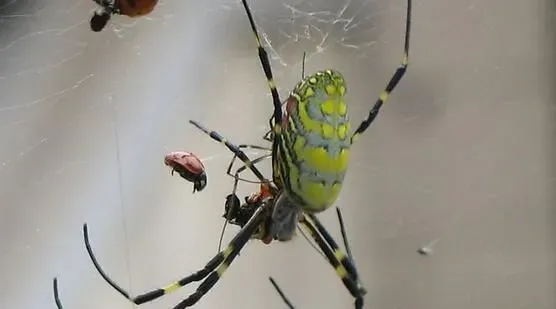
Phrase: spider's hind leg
[341,262]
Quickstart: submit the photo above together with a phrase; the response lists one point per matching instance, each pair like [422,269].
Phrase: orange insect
[131,8]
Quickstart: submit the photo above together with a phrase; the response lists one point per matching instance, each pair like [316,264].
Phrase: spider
[311,140]
[60,306]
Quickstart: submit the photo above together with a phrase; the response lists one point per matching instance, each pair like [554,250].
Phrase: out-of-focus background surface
[460,157]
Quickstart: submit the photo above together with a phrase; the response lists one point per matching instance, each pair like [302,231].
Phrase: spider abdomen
[315,140]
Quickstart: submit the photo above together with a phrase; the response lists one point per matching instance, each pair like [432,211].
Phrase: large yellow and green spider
[311,140]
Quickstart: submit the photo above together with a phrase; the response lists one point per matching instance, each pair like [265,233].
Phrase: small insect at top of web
[136,8]
[189,167]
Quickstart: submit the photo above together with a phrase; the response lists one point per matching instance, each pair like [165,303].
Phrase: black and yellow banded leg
[345,239]
[265,62]
[236,180]
[253,147]
[346,260]
[282,295]
[210,274]
[233,148]
[338,260]
[269,136]
[346,245]
[56,295]
[394,80]
[242,168]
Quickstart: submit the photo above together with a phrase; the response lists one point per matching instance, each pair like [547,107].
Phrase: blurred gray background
[460,157]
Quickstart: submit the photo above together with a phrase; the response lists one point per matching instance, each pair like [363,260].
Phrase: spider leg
[337,259]
[268,136]
[254,147]
[282,295]
[233,148]
[345,239]
[56,295]
[244,167]
[394,80]
[265,62]
[210,274]
[236,177]
[346,245]
[232,201]
[303,65]
[346,260]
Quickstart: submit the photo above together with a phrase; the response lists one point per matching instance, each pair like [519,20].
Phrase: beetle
[130,8]
[189,167]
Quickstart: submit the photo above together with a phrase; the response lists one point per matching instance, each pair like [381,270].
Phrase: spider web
[85,119]
[335,26]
